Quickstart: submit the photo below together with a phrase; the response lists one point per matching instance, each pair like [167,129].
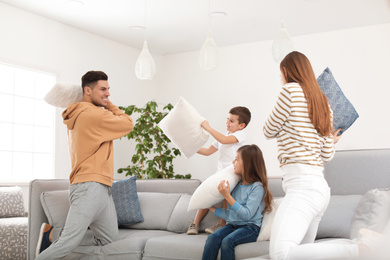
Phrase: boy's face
[232,124]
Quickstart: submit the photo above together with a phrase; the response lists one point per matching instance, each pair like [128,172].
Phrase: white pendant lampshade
[282,44]
[208,56]
[145,68]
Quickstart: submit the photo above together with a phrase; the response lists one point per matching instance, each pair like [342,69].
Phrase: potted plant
[153,156]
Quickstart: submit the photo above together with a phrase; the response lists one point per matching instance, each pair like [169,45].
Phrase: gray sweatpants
[91,206]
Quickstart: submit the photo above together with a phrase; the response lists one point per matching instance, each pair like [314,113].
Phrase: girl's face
[238,165]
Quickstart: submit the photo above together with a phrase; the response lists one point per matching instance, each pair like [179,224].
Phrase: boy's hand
[205,124]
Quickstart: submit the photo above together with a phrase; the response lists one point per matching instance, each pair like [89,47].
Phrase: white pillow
[268,220]
[182,127]
[63,94]
[372,212]
[207,194]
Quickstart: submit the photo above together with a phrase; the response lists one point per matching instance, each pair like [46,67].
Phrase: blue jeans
[227,238]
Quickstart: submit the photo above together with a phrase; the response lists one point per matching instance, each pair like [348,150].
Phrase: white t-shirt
[227,152]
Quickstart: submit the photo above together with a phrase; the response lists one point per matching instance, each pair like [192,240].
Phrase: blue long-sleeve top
[248,208]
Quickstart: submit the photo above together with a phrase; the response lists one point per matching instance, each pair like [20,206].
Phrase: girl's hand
[224,188]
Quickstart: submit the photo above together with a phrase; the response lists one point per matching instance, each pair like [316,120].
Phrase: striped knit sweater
[298,140]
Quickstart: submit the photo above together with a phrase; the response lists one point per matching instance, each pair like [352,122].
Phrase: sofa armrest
[36,214]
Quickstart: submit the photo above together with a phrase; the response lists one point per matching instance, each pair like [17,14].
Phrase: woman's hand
[335,136]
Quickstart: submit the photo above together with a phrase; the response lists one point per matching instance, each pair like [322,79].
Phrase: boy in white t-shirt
[238,118]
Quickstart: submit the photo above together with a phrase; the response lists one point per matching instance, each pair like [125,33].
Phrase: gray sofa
[164,206]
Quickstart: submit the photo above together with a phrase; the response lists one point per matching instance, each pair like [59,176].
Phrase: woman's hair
[296,67]
[254,170]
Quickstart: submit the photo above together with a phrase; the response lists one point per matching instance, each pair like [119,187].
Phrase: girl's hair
[296,67]
[254,170]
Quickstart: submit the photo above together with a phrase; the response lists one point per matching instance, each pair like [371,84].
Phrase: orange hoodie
[91,131]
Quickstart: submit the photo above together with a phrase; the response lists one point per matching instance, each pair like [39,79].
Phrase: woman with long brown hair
[301,122]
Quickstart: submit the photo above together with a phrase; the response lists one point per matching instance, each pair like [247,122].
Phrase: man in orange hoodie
[92,125]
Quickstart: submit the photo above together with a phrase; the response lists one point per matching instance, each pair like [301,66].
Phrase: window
[26,124]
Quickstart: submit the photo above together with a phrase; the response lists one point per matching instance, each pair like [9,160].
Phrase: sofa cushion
[191,247]
[124,194]
[268,220]
[372,212]
[156,208]
[56,206]
[11,202]
[336,221]
[344,114]
[181,217]
[207,194]
[182,127]
[13,238]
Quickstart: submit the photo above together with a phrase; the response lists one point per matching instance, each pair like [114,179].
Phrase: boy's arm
[207,151]
[223,139]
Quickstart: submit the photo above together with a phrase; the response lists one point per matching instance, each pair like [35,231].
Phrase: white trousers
[296,221]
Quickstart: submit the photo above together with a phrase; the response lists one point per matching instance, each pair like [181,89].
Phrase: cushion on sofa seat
[56,206]
[268,220]
[372,212]
[11,202]
[181,218]
[13,238]
[182,127]
[156,208]
[336,221]
[124,194]
[207,194]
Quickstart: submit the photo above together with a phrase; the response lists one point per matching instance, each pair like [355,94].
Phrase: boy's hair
[243,113]
[91,77]
[254,170]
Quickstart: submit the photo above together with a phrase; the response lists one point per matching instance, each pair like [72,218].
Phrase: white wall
[247,76]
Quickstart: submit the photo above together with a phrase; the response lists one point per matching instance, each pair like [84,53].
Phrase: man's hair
[243,113]
[91,77]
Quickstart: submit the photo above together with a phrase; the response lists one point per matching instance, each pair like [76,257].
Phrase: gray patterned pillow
[128,209]
[11,202]
[344,114]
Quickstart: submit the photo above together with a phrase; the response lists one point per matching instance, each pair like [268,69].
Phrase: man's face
[100,93]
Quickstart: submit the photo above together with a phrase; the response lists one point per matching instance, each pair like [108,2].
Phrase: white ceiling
[181,25]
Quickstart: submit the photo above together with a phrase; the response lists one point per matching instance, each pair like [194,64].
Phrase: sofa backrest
[358,171]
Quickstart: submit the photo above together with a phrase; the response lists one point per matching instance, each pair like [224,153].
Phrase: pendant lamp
[145,68]
[282,44]
[209,56]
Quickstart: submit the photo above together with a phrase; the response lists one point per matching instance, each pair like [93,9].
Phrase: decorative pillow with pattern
[344,114]
[11,202]
[128,209]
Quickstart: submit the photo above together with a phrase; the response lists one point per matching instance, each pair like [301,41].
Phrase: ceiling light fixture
[218,14]
[282,44]
[145,68]
[209,56]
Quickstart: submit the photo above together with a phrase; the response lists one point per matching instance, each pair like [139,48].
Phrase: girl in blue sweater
[247,202]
